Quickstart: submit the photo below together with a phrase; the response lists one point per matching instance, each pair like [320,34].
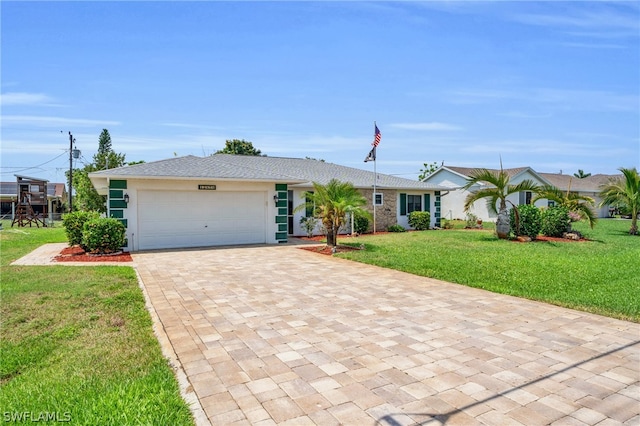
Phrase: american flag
[378,136]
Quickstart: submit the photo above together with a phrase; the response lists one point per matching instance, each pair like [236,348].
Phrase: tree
[581,174]
[86,197]
[574,202]
[106,158]
[624,192]
[427,170]
[497,193]
[239,147]
[331,203]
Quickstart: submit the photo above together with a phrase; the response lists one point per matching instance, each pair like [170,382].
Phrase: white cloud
[42,121]
[431,126]
[22,98]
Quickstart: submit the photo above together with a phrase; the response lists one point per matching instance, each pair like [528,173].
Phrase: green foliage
[529,223]
[496,193]
[420,221]
[396,228]
[427,170]
[74,225]
[579,206]
[360,224]
[581,174]
[309,225]
[471,221]
[624,192]
[103,235]
[239,147]
[447,224]
[555,221]
[331,203]
[87,198]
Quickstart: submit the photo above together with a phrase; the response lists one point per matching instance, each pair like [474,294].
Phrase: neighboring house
[236,199]
[454,178]
[56,196]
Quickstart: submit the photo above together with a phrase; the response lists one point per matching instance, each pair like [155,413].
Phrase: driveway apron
[279,335]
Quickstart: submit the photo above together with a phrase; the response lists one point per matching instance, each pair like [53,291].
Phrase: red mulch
[77,254]
[327,250]
[560,239]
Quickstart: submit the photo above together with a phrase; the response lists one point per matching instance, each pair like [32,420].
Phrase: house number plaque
[207,187]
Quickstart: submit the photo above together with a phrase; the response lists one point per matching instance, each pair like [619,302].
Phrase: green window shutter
[427,202]
[403,204]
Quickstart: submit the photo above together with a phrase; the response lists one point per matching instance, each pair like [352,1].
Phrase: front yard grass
[600,276]
[77,343]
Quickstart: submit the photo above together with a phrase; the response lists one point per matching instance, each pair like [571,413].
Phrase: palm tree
[624,191]
[331,203]
[574,202]
[581,174]
[497,192]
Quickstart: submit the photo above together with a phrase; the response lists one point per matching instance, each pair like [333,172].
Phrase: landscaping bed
[77,254]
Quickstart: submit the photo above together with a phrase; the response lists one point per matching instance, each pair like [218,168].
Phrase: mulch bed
[77,254]
[560,239]
[328,250]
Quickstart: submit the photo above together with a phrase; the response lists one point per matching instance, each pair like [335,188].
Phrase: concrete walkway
[277,335]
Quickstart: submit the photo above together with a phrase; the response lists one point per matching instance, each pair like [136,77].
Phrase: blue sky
[551,85]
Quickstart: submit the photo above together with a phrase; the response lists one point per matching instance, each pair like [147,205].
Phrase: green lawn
[601,276]
[77,343]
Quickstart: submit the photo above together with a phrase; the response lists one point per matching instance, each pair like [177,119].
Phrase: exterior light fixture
[126,198]
[276,199]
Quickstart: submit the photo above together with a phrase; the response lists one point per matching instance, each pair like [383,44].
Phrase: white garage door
[200,218]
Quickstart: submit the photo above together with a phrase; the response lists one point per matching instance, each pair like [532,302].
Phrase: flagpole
[375,173]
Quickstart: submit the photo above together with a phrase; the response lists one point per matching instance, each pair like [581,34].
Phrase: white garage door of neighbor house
[178,219]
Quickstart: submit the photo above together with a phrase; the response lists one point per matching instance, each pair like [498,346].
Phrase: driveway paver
[278,335]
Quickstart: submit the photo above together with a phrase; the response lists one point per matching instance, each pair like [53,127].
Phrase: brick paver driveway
[275,334]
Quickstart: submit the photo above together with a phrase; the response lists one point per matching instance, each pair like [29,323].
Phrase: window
[414,203]
[308,210]
[525,197]
[378,199]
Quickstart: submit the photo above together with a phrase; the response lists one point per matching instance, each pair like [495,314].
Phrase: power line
[33,167]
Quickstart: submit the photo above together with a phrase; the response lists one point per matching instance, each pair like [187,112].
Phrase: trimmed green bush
[530,221]
[309,225]
[555,221]
[103,235]
[419,221]
[396,228]
[74,224]
[360,224]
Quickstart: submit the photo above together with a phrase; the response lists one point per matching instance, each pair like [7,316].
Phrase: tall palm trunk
[502,222]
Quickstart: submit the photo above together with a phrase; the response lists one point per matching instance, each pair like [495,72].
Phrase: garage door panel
[195,219]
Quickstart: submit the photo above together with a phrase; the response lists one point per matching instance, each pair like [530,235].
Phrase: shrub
[360,224]
[419,220]
[396,228]
[470,221]
[103,235]
[530,222]
[74,224]
[309,225]
[447,224]
[555,221]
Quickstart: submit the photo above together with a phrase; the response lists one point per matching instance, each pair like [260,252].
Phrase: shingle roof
[560,181]
[466,171]
[569,182]
[296,171]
